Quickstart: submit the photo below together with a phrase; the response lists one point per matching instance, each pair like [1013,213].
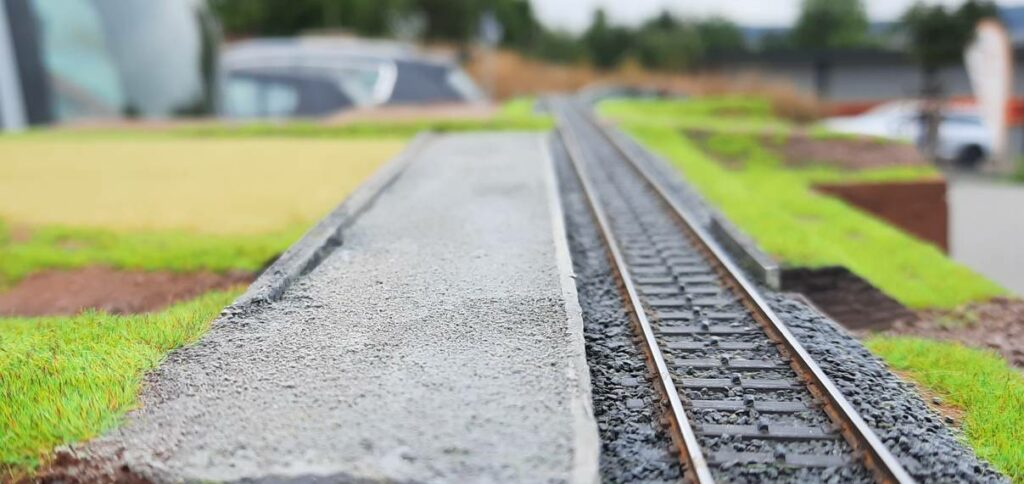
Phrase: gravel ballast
[634,445]
[434,344]
[930,451]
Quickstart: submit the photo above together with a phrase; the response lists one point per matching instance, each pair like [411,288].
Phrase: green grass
[179,251]
[778,208]
[514,115]
[152,213]
[749,151]
[520,108]
[726,113]
[368,129]
[1018,173]
[68,379]
[983,385]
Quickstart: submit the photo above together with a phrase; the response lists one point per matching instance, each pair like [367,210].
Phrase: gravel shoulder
[433,344]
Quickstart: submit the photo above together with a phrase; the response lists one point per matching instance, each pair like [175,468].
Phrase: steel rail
[682,431]
[876,456]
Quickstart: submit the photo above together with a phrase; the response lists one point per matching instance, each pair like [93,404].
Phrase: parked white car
[963,137]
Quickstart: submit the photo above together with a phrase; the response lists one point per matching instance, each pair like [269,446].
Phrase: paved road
[436,344]
[987,229]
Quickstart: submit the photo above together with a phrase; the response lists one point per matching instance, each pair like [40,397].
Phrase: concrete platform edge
[587,445]
[304,255]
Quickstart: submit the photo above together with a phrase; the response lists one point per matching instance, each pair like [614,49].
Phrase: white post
[12,107]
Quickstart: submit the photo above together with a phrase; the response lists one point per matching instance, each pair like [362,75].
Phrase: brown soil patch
[19,233]
[952,414]
[53,292]
[516,75]
[67,467]
[917,207]
[801,149]
[846,297]
[994,325]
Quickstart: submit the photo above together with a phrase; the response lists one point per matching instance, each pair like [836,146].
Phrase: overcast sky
[575,15]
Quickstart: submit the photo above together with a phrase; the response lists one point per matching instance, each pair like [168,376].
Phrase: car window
[359,79]
[249,97]
[962,120]
[241,97]
[279,99]
[464,85]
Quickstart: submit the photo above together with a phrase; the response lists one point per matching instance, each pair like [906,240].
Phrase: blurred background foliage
[665,42]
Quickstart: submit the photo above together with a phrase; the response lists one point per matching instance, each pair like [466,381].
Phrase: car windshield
[464,85]
[360,80]
[962,120]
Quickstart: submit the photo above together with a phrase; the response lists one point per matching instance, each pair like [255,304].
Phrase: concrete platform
[440,341]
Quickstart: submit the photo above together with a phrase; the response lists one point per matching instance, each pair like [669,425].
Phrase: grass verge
[68,379]
[157,204]
[179,251]
[982,384]
[213,197]
[210,186]
[514,115]
[778,208]
[716,113]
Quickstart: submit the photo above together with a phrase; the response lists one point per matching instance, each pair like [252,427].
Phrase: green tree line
[665,42]
[934,34]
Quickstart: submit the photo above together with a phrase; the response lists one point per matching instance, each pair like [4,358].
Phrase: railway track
[742,398]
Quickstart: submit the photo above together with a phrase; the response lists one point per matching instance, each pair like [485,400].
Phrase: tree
[937,38]
[607,45]
[720,35]
[667,43]
[558,46]
[827,24]
[671,49]
[521,27]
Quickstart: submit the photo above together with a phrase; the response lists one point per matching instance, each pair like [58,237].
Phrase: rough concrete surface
[986,229]
[433,345]
[304,255]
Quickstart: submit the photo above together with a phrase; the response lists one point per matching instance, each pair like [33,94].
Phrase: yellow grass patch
[217,186]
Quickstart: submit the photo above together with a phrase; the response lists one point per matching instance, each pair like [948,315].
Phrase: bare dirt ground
[996,325]
[59,293]
[801,149]
[67,468]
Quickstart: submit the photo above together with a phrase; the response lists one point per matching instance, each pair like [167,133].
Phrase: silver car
[312,77]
